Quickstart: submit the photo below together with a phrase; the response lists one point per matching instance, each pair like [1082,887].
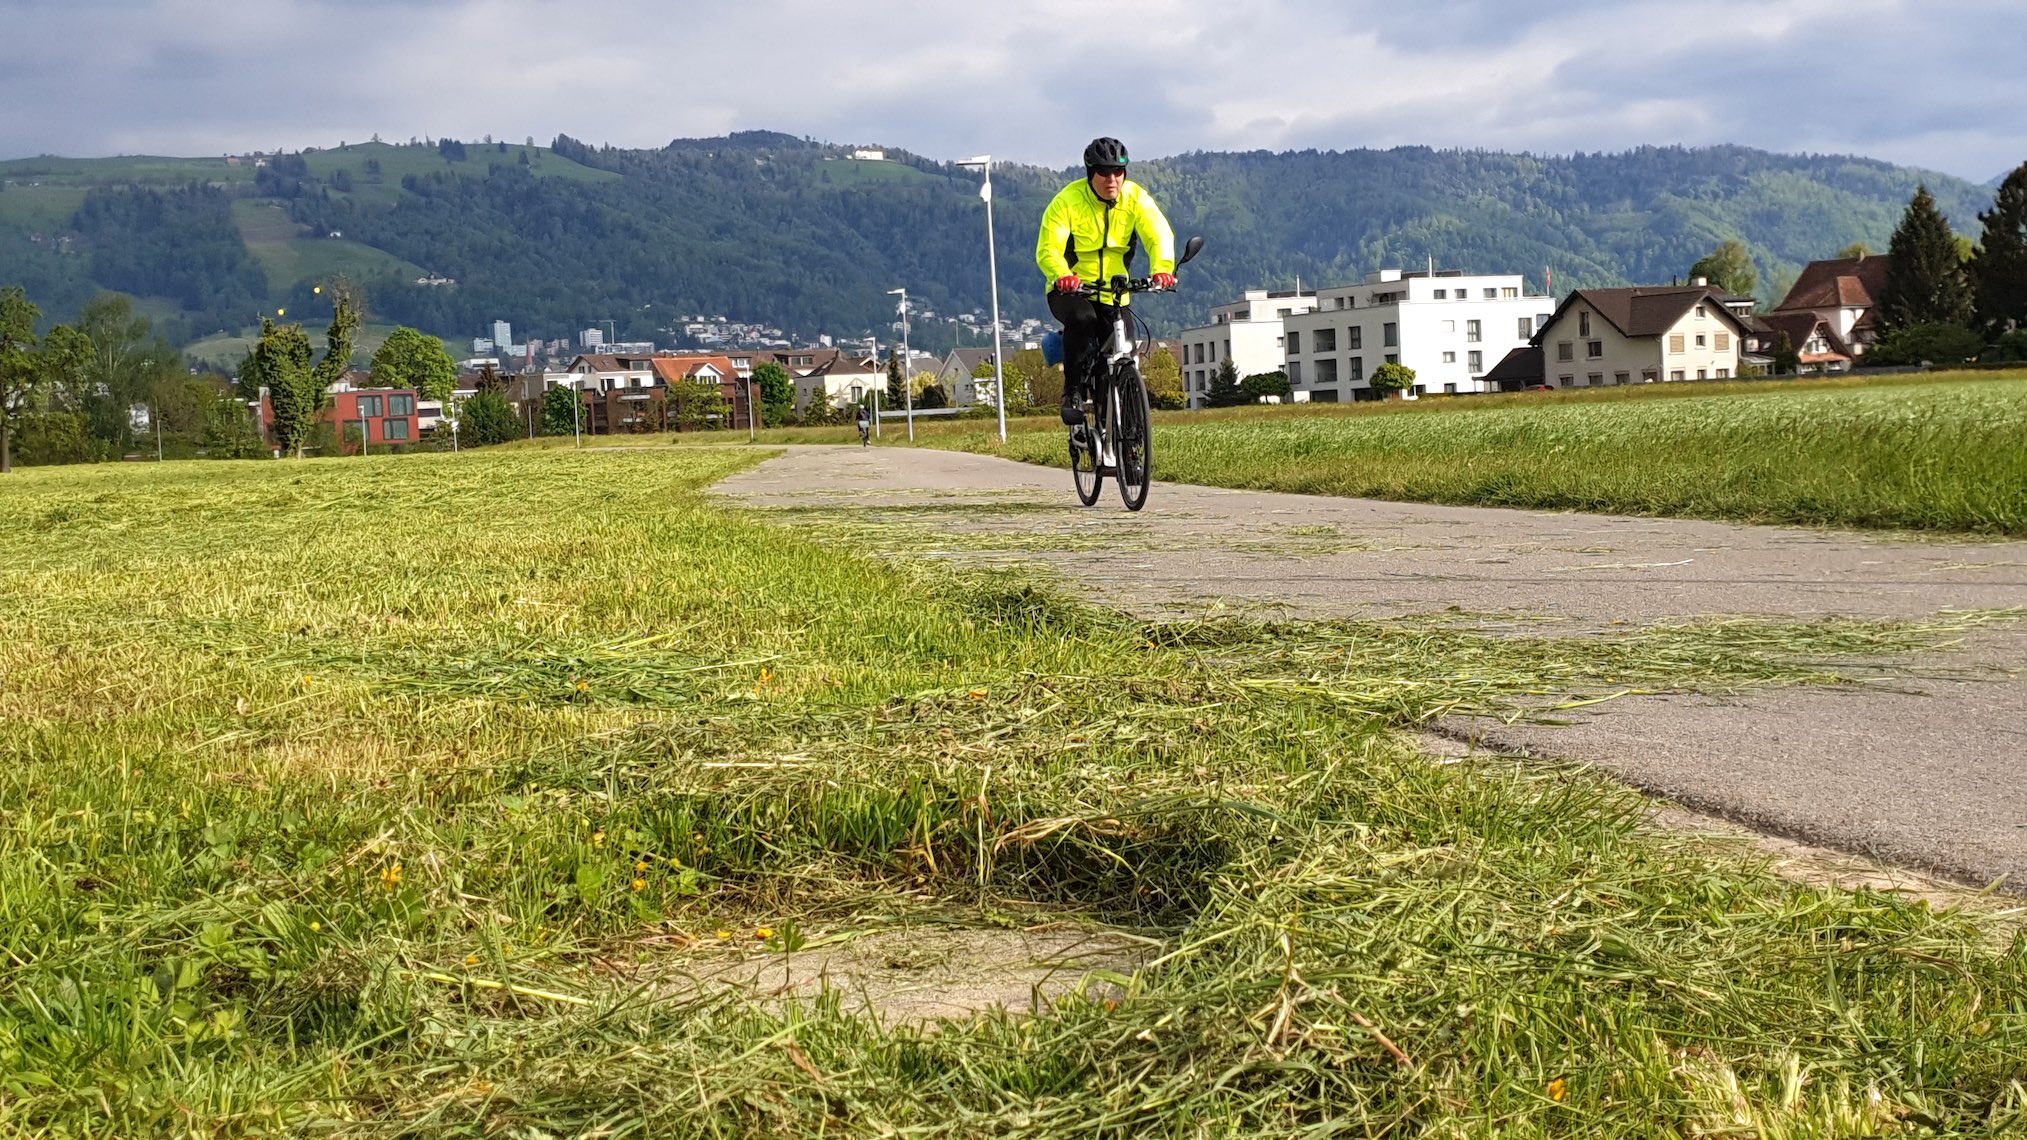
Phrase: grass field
[1943,453]
[290,255]
[409,796]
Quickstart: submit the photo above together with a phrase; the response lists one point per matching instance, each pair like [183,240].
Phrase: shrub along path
[1925,766]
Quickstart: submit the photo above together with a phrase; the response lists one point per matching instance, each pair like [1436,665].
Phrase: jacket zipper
[1105,239]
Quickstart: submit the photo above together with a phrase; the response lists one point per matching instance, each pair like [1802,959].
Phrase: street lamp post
[576,405]
[907,362]
[984,163]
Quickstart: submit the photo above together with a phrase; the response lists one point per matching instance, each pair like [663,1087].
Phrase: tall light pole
[907,362]
[984,163]
[577,406]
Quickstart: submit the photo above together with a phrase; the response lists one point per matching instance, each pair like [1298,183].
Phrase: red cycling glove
[1069,284]
[1164,281]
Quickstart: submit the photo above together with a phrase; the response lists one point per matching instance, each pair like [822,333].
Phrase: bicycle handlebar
[1120,284]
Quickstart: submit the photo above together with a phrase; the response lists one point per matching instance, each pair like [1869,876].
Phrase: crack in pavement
[1930,774]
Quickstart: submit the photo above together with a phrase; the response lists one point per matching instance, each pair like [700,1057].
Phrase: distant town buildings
[1450,327]
[1248,332]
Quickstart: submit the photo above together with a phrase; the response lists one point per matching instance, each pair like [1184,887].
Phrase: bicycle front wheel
[1133,438]
[1084,466]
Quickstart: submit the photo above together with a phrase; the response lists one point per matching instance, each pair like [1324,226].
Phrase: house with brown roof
[1841,293]
[1814,339]
[1641,334]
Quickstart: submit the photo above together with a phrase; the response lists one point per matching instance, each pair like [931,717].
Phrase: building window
[1595,380]
[1323,396]
[370,406]
[1492,294]
[1449,326]
[1323,340]
[1326,371]
[1390,334]
[1724,374]
[1449,389]
[1724,342]
[1393,358]
[1442,294]
[1566,381]
[1675,375]
[1228,348]
[1620,378]
[1700,313]
[1475,361]
[1649,375]
[1294,343]
[1295,372]
[1474,331]
[1354,338]
[1283,312]
[1675,344]
[1565,350]
[401,405]
[1449,358]
[1526,328]
[1703,374]
[1509,293]
[1702,341]
[394,429]
[1594,350]
[1583,324]
[1357,369]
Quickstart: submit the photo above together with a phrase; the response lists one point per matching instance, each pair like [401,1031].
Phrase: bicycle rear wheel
[1132,438]
[1084,465]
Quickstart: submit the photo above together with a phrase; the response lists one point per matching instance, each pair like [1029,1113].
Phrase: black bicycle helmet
[1104,154]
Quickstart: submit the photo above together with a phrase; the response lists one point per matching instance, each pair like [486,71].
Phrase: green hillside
[767,227]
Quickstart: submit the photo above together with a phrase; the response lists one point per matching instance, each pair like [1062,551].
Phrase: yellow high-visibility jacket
[1092,238]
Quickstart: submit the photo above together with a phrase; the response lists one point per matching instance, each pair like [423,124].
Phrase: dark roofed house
[1641,334]
[1517,371]
[1841,292]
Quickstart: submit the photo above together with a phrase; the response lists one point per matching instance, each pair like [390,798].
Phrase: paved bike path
[1930,772]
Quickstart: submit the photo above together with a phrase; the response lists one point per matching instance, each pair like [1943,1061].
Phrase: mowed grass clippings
[397,796]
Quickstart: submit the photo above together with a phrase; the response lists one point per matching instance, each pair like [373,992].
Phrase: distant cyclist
[1090,233]
[865,426]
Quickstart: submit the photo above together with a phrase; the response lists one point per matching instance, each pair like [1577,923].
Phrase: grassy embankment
[394,796]
[1945,454]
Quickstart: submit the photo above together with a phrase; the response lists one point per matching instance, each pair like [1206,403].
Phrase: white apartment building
[1641,335]
[1247,332]
[1450,327]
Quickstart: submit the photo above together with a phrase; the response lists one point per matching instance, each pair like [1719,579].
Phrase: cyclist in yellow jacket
[1090,232]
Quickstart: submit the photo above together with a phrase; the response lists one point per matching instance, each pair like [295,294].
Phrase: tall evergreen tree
[894,394]
[1225,391]
[1925,283]
[1999,270]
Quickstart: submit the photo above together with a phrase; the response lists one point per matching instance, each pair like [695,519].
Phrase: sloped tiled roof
[1522,366]
[1645,310]
[1840,283]
[1800,327]
[670,369]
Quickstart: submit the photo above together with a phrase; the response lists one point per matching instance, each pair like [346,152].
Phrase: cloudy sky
[1938,84]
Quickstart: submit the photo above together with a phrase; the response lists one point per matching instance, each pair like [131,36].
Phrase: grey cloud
[1933,84]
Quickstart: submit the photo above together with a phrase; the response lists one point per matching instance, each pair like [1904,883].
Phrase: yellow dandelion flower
[766,675]
[640,866]
[640,884]
[762,933]
[724,936]
[583,686]
[1557,1089]
[978,694]
[391,877]
[471,959]
[306,678]
[598,839]
[316,926]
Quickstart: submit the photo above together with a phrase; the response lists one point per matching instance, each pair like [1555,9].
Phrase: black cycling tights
[1086,325]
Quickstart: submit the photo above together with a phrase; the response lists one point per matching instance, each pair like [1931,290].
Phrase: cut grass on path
[400,796]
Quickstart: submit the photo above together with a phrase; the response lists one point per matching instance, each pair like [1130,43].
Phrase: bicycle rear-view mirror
[1195,246]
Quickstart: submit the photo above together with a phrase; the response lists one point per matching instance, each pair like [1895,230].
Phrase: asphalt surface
[1927,771]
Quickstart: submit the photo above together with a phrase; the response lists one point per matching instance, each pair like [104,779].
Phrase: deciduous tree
[777,393]
[1729,267]
[560,413]
[1999,270]
[1260,385]
[413,359]
[1925,283]
[21,374]
[1391,378]
[1164,381]
[488,418]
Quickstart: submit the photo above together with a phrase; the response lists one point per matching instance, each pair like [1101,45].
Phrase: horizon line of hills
[769,228]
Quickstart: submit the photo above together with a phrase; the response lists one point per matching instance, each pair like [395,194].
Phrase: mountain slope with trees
[761,226]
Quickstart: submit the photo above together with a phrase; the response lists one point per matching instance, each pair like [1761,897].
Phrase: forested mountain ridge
[760,226]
